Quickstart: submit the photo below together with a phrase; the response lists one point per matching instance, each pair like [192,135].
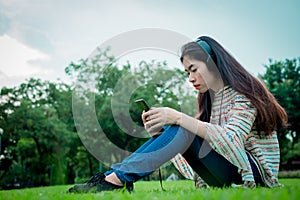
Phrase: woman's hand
[156,118]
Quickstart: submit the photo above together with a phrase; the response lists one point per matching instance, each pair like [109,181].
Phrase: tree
[37,133]
[283,80]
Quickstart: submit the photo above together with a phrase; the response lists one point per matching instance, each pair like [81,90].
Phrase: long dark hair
[270,115]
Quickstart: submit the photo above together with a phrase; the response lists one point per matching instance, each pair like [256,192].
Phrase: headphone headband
[204,46]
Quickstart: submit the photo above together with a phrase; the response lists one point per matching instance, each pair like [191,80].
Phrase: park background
[44,45]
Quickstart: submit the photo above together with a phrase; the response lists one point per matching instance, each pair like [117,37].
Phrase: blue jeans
[152,154]
[213,168]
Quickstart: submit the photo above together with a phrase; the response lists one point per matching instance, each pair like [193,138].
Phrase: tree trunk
[90,166]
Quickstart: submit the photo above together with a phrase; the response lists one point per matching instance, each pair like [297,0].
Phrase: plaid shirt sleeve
[183,167]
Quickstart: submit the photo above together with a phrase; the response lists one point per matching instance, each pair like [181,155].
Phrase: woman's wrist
[191,124]
[178,117]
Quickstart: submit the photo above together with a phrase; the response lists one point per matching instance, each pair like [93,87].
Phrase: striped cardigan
[236,135]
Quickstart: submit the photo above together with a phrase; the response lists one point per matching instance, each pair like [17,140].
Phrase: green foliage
[283,80]
[151,190]
[37,133]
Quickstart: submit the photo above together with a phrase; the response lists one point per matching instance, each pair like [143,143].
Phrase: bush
[289,174]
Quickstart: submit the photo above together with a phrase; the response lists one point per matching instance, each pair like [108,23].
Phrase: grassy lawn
[151,190]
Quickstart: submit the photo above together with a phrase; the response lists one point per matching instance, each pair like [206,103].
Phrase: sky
[41,38]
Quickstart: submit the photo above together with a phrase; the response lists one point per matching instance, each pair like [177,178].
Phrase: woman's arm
[156,118]
[240,119]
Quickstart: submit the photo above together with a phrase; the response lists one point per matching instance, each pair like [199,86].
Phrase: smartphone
[142,104]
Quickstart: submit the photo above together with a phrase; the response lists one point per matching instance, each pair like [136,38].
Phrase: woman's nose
[191,78]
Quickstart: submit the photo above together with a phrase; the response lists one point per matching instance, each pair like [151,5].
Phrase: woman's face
[199,76]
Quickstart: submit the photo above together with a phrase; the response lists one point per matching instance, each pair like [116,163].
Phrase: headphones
[205,47]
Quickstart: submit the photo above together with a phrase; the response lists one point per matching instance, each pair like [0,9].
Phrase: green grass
[151,190]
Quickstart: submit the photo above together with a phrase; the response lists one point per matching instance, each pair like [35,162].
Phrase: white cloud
[19,60]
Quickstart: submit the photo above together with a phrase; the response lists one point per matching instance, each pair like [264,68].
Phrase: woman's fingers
[149,115]
[153,120]
[144,116]
[154,126]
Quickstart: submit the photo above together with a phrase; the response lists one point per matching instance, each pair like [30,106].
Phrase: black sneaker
[97,183]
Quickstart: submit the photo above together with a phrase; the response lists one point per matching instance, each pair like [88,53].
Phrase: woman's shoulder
[235,95]
[228,94]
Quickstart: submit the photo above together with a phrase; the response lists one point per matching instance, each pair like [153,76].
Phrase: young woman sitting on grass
[232,140]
